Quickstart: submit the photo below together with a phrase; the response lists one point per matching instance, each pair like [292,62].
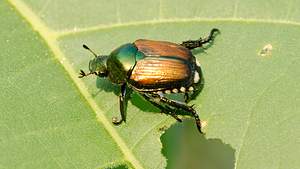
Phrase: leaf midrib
[51,40]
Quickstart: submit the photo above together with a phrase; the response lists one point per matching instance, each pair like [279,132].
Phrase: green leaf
[51,119]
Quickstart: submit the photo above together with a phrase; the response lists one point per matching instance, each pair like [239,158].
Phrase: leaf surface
[51,119]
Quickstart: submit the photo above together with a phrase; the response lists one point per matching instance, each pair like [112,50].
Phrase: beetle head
[97,66]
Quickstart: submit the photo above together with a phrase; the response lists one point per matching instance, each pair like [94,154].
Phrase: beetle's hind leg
[184,107]
[164,109]
[192,44]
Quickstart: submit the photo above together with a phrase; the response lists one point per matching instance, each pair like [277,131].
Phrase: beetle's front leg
[184,107]
[122,99]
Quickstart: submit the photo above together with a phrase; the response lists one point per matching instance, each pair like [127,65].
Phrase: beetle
[153,69]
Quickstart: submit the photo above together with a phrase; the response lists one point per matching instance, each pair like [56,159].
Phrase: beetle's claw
[214,32]
[211,36]
[81,74]
[116,121]
[199,126]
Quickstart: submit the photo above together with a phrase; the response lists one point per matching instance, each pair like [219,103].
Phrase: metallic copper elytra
[162,48]
[160,70]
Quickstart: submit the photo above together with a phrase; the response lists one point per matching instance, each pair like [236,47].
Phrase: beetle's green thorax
[98,66]
[121,61]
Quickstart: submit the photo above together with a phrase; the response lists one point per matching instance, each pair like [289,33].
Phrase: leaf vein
[173,20]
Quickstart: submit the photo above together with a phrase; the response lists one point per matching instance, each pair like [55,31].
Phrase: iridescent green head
[97,66]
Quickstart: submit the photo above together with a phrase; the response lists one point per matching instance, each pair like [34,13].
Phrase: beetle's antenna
[87,48]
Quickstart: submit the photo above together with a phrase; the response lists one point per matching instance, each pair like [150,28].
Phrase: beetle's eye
[92,66]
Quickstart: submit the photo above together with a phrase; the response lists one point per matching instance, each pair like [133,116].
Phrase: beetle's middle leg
[192,44]
[164,109]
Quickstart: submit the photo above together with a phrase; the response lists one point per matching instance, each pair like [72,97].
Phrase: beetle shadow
[204,48]
[123,166]
[141,103]
[103,84]
[199,51]
[136,99]
[184,147]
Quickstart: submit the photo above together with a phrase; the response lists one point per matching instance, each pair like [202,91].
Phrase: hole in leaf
[184,147]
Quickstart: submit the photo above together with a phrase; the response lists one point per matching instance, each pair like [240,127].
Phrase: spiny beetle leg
[164,109]
[173,114]
[122,99]
[192,44]
[184,107]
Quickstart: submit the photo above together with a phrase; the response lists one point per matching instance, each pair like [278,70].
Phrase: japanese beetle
[153,69]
